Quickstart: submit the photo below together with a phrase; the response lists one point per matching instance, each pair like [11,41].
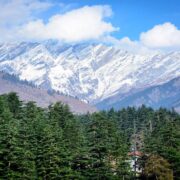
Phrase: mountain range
[164,95]
[100,74]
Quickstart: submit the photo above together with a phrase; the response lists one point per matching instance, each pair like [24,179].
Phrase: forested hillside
[53,143]
[29,92]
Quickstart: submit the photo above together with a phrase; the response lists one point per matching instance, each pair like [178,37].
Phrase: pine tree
[11,151]
[107,150]
[164,140]
[71,142]
[14,104]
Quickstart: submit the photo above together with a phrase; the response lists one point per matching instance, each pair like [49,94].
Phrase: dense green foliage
[53,143]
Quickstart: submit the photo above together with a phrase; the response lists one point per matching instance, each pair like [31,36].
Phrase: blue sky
[133,24]
[134,16]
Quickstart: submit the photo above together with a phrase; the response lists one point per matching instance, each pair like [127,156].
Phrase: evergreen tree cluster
[54,143]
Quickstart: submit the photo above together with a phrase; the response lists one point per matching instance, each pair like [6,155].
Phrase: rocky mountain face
[42,97]
[91,72]
[164,95]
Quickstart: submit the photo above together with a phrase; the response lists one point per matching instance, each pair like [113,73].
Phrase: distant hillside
[43,98]
[165,95]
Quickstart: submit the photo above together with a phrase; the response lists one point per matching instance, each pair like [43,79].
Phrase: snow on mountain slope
[43,98]
[92,72]
[164,95]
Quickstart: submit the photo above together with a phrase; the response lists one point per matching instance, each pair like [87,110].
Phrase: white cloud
[129,45]
[19,22]
[15,12]
[81,24]
[164,35]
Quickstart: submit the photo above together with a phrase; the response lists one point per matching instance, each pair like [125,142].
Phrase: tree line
[54,143]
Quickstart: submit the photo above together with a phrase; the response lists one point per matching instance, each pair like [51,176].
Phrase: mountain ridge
[165,95]
[91,72]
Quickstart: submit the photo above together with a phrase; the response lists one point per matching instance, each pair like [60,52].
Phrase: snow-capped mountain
[164,95]
[92,72]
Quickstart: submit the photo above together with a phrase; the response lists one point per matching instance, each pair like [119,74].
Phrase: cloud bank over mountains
[163,35]
[86,23]
[20,21]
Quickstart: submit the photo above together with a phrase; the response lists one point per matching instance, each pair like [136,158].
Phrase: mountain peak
[92,72]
